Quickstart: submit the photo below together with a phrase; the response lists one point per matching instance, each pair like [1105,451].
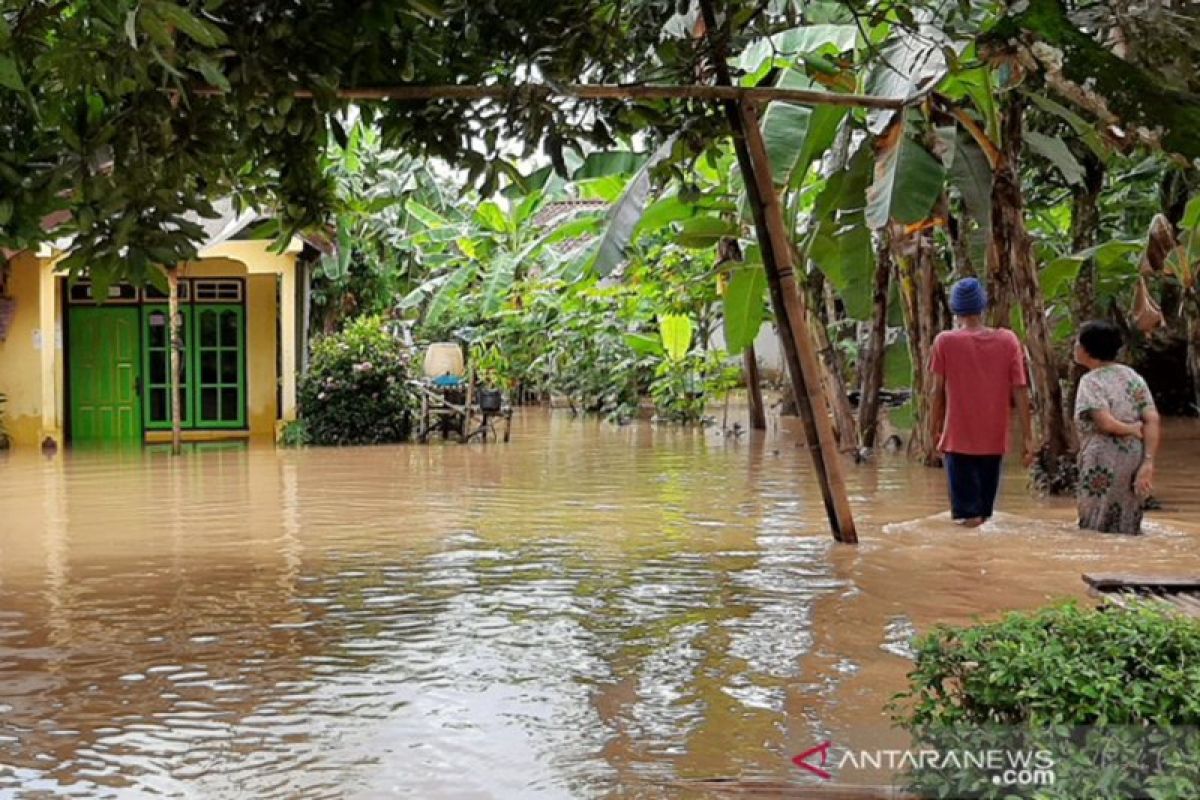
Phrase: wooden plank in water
[1108,582]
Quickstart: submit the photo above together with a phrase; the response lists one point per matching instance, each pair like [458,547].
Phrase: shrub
[355,391]
[1113,695]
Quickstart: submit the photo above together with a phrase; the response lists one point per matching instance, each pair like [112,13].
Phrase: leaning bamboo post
[806,368]
[791,317]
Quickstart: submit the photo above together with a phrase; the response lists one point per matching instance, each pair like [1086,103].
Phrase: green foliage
[1081,684]
[356,390]
[295,434]
[682,387]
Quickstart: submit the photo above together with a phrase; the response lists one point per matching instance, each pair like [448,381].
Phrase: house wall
[38,324]
[20,360]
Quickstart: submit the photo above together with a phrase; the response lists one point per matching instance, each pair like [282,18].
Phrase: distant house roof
[556,211]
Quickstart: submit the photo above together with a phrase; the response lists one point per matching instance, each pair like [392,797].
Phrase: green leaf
[491,217]
[449,294]
[626,212]
[212,73]
[822,130]
[10,77]
[703,232]
[971,174]
[744,307]
[783,129]
[1055,150]
[644,345]
[662,213]
[788,48]
[6,210]
[1191,214]
[613,162]
[345,247]
[843,253]
[497,284]
[200,31]
[907,182]
[1084,129]
[676,333]
[425,215]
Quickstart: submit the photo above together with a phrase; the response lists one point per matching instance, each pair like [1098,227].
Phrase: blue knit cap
[968,297]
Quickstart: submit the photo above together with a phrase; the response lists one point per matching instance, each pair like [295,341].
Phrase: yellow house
[76,371]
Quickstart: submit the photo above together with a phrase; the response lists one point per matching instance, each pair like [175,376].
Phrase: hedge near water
[356,391]
[1111,698]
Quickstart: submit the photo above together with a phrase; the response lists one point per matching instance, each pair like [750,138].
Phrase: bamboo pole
[597,92]
[758,414]
[804,364]
[791,317]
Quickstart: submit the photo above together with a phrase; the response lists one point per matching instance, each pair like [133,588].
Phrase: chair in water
[448,400]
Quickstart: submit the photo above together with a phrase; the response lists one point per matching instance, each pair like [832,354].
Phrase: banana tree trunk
[1085,228]
[1014,260]
[175,337]
[1192,312]
[917,282]
[835,386]
[871,377]
[758,414]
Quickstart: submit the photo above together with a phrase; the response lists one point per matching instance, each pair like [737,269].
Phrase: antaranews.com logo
[1019,768]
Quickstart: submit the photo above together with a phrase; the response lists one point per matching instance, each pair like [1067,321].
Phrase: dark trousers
[973,484]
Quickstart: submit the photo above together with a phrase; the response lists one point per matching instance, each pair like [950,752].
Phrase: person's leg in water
[966,501]
[988,475]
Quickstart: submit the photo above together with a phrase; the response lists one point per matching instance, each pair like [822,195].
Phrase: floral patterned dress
[1108,464]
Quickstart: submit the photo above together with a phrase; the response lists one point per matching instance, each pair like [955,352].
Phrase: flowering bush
[355,391]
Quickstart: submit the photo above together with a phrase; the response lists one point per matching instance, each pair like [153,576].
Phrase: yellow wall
[20,363]
[22,367]
[262,408]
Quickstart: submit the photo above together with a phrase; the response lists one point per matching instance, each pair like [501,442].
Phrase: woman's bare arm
[1143,482]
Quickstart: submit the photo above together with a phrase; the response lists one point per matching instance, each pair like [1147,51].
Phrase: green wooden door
[104,374]
[220,366]
[156,367]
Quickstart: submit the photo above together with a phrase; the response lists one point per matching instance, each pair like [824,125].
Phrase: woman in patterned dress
[1118,435]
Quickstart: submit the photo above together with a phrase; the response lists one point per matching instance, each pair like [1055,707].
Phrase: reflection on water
[588,611]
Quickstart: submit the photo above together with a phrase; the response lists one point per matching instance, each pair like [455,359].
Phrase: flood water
[588,611]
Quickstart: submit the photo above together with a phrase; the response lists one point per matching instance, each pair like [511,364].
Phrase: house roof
[555,211]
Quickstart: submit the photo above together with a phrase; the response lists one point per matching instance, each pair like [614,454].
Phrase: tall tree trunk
[917,281]
[175,337]
[791,316]
[832,372]
[871,377]
[758,414]
[1192,312]
[1085,229]
[1013,251]
[835,387]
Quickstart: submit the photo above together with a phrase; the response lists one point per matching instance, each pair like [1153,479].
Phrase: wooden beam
[737,94]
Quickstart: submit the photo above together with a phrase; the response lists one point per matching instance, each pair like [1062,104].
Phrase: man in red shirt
[979,374]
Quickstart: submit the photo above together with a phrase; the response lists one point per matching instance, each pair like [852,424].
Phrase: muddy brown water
[588,611]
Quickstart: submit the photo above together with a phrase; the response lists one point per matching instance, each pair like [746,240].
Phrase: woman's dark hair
[1101,339]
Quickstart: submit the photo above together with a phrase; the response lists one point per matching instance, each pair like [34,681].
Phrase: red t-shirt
[981,366]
